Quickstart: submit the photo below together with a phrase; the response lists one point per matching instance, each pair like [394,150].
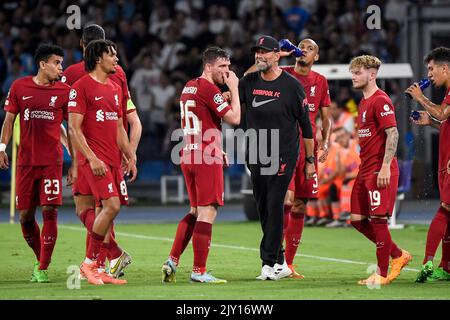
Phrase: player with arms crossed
[437,116]
[96,128]
[375,189]
[84,200]
[41,101]
[203,107]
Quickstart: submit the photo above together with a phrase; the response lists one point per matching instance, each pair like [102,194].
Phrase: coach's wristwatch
[311,159]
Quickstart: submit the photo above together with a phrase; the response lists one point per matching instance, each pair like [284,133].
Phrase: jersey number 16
[189,121]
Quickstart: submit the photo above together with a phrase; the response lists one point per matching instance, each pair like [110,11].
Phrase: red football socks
[87,217]
[201,241]
[31,234]
[286,213]
[383,242]
[365,227]
[94,246]
[183,236]
[436,232]
[293,235]
[445,261]
[114,250]
[104,248]
[48,237]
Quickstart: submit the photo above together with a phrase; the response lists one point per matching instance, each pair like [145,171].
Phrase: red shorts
[304,188]
[368,200]
[38,186]
[204,183]
[81,186]
[103,188]
[444,186]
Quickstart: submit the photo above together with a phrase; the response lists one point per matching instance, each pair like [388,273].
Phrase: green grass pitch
[331,260]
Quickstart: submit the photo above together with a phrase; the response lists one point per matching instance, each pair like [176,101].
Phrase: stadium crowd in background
[159,43]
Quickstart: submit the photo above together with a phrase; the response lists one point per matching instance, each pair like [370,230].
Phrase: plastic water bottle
[423,84]
[415,115]
[285,44]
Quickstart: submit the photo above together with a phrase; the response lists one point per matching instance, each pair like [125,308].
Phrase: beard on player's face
[262,65]
[303,62]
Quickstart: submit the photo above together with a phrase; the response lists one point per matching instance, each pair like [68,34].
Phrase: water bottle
[285,44]
[423,84]
[415,115]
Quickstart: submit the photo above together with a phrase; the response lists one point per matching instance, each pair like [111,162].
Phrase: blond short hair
[365,61]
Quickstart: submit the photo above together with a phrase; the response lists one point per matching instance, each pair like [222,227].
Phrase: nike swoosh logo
[51,199]
[314,191]
[98,98]
[26,98]
[373,209]
[259,104]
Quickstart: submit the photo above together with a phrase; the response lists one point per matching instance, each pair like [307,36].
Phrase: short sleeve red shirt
[100,104]
[375,115]
[444,137]
[202,108]
[42,110]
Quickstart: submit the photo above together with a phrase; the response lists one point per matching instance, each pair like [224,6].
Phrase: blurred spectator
[162,92]
[296,16]
[16,73]
[341,118]
[144,78]
[26,59]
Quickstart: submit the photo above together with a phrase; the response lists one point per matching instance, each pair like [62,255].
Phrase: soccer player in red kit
[301,189]
[375,189]
[203,107]
[84,200]
[438,116]
[96,128]
[41,101]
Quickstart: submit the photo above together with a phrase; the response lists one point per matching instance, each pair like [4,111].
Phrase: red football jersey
[316,90]
[444,138]
[74,72]
[375,114]
[42,110]
[202,108]
[100,104]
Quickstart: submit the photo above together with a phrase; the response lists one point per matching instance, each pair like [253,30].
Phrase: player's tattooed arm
[426,120]
[439,112]
[384,176]
[391,145]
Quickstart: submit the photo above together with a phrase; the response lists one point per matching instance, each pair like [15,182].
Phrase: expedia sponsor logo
[387,110]
[364,133]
